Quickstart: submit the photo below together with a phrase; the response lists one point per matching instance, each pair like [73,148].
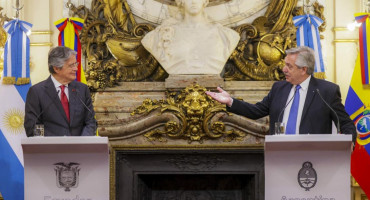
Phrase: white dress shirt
[58,89]
[302,99]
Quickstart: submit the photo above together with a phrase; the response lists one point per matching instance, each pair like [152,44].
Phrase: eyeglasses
[73,65]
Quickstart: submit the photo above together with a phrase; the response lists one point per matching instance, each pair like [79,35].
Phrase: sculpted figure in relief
[190,44]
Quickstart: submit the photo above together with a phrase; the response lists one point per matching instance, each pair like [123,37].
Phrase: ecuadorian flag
[357,106]
[69,37]
[364,36]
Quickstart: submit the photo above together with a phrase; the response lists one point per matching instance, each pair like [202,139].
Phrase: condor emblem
[307,176]
[67,175]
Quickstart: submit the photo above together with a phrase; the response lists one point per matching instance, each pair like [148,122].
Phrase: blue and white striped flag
[308,35]
[17,53]
[11,133]
[12,101]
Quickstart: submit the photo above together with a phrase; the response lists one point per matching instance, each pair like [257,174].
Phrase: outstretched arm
[239,107]
[222,96]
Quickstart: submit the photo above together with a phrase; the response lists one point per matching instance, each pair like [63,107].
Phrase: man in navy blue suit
[311,114]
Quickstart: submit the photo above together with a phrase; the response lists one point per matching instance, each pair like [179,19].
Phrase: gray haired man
[298,101]
[60,103]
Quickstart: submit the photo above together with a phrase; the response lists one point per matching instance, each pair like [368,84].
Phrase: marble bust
[190,44]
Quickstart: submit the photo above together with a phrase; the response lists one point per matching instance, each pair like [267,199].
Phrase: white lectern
[66,168]
[307,167]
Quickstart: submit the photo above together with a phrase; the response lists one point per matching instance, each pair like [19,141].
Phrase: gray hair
[305,58]
[58,56]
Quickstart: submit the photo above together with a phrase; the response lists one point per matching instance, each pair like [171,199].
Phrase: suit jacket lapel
[309,98]
[283,101]
[51,92]
[72,100]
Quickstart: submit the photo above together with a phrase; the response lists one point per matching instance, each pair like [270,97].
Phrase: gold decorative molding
[41,32]
[340,29]
[1,62]
[3,35]
[42,44]
[336,29]
[345,40]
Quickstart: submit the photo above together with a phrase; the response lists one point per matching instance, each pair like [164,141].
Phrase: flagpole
[17,8]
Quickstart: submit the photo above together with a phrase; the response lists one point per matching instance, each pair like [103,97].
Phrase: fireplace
[196,186]
[196,174]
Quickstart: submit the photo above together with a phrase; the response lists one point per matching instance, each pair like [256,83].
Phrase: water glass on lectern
[279,128]
[38,130]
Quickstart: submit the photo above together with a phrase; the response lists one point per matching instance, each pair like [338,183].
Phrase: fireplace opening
[196,187]
[235,174]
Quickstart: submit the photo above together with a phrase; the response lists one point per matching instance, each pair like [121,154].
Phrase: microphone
[338,127]
[83,103]
[281,112]
[42,112]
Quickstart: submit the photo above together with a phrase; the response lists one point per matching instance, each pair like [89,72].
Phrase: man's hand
[222,97]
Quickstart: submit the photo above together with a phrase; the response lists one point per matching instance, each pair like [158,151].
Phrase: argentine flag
[308,35]
[14,86]
[11,132]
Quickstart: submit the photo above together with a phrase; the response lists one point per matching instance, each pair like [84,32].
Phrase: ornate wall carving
[181,117]
[3,37]
[111,42]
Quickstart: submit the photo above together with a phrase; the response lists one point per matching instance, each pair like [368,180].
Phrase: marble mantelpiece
[114,105]
[135,158]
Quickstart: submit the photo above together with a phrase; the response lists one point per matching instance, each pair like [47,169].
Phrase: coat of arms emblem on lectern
[307,176]
[67,175]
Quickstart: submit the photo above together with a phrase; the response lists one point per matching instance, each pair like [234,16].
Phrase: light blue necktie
[292,120]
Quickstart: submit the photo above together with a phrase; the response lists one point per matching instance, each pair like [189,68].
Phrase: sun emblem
[13,121]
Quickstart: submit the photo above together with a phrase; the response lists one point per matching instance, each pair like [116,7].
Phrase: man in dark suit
[60,103]
[296,100]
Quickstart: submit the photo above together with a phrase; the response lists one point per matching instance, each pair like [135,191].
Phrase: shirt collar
[56,83]
[305,83]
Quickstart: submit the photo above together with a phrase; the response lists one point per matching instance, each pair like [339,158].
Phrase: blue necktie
[292,120]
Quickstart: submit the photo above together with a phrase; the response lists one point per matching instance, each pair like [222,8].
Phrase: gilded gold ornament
[3,19]
[261,51]
[111,41]
[195,112]
[3,37]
